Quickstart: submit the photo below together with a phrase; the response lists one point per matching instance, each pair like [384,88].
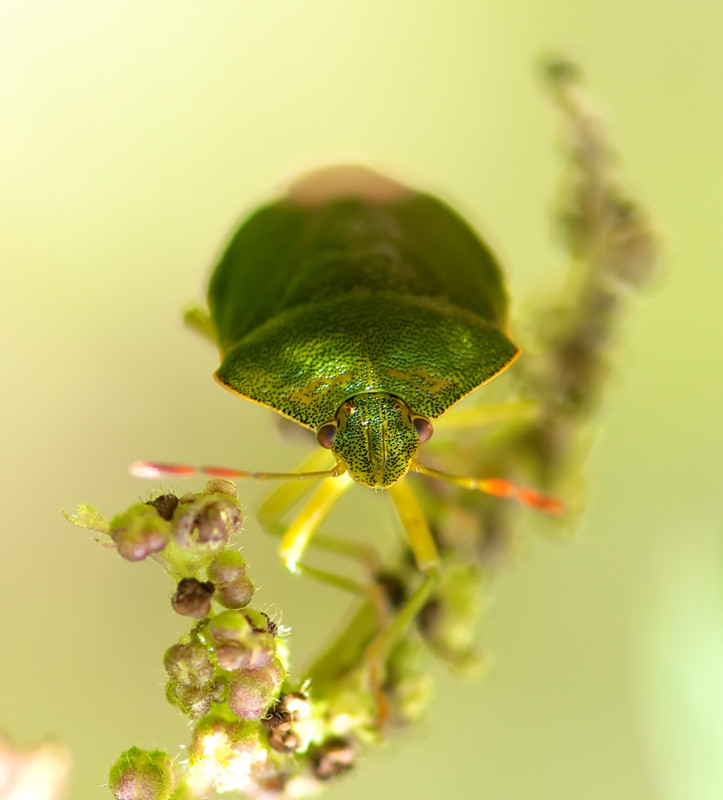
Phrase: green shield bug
[362,310]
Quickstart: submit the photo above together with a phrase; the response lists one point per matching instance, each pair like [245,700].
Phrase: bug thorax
[375,436]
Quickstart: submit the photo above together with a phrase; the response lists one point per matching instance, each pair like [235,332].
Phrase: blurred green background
[133,135]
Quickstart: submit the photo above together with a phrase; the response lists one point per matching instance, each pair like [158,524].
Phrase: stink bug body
[359,309]
[362,310]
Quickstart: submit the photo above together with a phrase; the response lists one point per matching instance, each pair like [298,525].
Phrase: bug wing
[289,254]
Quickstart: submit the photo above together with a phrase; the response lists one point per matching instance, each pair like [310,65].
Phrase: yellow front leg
[285,497]
[310,517]
[472,417]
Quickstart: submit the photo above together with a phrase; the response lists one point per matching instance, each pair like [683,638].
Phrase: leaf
[86,516]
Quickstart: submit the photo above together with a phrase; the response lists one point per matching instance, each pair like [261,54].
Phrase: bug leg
[200,321]
[467,417]
[288,494]
[283,499]
[298,534]
[427,558]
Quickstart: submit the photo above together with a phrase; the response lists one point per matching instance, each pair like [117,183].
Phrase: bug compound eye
[424,428]
[326,435]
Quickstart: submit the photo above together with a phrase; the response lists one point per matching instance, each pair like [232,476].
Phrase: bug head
[375,436]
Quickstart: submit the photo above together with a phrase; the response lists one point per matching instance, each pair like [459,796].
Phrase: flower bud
[221,486]
[240,640]
[280,720]
[194,701]
[252,691]
[138,532]
[223,753]
[297,705]
[188,664]
[207,523]
[142,775]
[284,740]
[234,588]
[332,758]
[192,598]
[165,505]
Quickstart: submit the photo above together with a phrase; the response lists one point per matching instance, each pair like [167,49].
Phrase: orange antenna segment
[499,487]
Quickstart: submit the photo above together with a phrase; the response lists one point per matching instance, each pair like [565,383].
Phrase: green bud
[253,691]
[188,664]
[142,775]
[138,532]
[234,588]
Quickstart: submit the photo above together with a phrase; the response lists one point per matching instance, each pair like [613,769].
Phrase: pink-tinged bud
[234,588]
[237,593]
[194,701]
[253,691]
[188,664]
[142,775]
[233,657]
[139,532]
[192,598]
[333,757]
[284,740]
[280,719]
[207,523]
[242,640]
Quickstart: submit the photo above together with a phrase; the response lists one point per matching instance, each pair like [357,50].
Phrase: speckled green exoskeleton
[362,310]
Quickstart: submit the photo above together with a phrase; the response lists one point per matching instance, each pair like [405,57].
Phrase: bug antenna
[153,470]
[499,487]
